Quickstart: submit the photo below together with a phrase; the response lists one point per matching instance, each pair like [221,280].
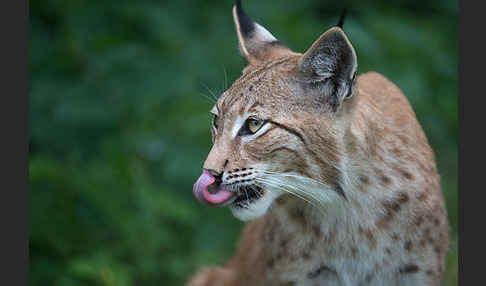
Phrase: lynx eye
[252,126]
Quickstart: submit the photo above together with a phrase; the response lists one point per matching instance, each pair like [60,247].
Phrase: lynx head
[278,129]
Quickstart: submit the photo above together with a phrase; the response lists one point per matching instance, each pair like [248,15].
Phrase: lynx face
[278,129]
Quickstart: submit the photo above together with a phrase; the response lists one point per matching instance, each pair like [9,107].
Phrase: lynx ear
[330,65]
[255,42]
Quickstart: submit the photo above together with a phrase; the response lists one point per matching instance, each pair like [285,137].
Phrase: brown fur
[389,224]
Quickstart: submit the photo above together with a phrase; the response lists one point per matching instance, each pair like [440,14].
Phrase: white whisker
[286,189]
[311,187]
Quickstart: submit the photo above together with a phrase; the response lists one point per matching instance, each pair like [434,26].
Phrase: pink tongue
[201,192]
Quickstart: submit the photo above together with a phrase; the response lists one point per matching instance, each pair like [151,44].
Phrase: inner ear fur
[329,66]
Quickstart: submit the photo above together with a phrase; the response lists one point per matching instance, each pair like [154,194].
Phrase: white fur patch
[258,133]
[237,125]
[215,111]
[262,34]
[255,209]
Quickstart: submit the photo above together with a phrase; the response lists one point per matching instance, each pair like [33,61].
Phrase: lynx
[332,172]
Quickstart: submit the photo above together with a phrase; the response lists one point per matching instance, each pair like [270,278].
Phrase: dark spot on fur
[385,180]
[419,220]
[402,198]
[388,251]
[369,235]
[312,245]
[384,221]
[250,88]
[408,245]
[436,221]
[331,235]
[404,139]
[283,243]
[297,215]
[354,251]
[270,263]
[409,268]
[364,179]
[404,173]
[281,200]
[407,175]
[306,255]
[318,271]
[316,229]
[437,250]
[394,206]
[271,235]
[422,196]
[395,237]
[390,208]
[397,152]
[368,278]
[428,236]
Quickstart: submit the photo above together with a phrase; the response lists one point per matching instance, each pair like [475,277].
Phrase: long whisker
[299,190]
[211,100]
[295,176]
[287,190]
[225,83]
[310,202]
[213,95]
[304,180]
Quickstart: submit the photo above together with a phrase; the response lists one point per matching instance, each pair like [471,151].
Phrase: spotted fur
[351,193]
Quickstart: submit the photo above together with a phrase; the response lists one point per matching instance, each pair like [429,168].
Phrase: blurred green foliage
[119,123]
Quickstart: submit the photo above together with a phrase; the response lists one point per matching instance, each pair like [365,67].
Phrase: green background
[119,123]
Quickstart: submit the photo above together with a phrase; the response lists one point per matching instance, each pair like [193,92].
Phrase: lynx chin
[332,171]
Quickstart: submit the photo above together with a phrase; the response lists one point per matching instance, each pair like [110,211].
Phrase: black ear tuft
[341,18]
[255,42]
[247,25]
